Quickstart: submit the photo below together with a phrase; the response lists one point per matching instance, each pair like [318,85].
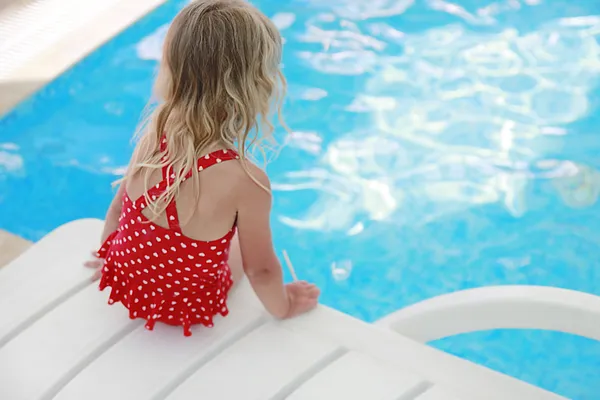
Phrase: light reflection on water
[458,118]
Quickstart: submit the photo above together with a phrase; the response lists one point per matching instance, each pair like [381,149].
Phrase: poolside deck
[39,40]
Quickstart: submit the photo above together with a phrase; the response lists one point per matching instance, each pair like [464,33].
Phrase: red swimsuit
[159,274]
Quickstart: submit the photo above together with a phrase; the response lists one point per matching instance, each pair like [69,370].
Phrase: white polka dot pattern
[160,274]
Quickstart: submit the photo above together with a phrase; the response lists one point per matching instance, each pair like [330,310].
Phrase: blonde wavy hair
[218,84]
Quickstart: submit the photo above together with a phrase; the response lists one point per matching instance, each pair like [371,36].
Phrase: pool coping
[43,44]
[11,246]
[41,39]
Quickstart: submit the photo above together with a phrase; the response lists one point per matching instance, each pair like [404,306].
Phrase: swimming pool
[438,146]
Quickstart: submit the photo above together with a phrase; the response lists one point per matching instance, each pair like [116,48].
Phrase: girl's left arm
[111,222]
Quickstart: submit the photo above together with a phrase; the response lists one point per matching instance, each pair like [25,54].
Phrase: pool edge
[41,67]
[11,246]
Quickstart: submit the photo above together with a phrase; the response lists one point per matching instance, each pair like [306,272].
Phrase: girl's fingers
[93,264]
[309,305]
[310,298]
[97,275]
[310,289]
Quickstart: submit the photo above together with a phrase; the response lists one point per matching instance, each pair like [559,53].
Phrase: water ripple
[459,118]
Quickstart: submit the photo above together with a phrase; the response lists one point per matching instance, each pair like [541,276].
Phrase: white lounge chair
[59,340]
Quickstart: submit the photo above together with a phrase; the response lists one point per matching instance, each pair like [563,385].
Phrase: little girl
[192,214]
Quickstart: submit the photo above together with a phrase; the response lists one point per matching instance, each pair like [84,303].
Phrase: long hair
[219,83]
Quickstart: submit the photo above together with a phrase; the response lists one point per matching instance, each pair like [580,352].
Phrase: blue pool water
[438,146]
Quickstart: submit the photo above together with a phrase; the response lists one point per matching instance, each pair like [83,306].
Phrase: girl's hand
[303,297]
[97,264]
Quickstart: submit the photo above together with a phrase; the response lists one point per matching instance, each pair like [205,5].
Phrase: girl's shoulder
[242,174]
[255,173]
[256,177]
[250,180]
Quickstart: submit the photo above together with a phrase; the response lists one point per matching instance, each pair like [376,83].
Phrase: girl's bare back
[208,209]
